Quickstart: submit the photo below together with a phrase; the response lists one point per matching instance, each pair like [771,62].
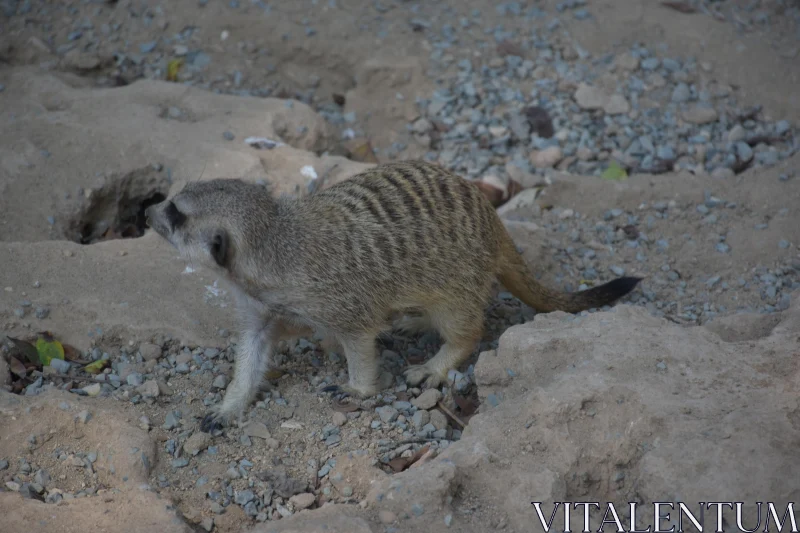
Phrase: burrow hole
[116,209]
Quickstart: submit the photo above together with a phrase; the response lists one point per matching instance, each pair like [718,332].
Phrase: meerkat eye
[175,217]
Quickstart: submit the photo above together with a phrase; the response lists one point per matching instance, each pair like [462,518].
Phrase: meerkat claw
[210,423]
[339,393]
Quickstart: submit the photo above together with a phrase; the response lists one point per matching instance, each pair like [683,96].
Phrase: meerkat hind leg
[461,331]
[252,357]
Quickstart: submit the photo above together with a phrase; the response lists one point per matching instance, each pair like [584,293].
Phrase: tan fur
[400,237]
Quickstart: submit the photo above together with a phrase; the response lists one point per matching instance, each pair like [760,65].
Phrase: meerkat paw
[343,391]
[425,375]
[215,420]
[360,392]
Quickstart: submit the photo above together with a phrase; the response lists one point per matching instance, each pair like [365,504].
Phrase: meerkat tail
[517,278]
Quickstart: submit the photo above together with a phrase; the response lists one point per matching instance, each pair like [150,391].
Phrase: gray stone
[149,351]
[420,418]
[438,419]
[681,93]
[197,443]
[171,421]
[220,382]
[244,497]
[60,366]
[427,400]
[258,429]
[387,414]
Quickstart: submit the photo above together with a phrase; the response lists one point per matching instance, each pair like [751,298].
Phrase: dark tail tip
[622,286]
[608,293]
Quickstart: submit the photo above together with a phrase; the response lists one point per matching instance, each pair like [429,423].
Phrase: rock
[546,158]
[722,173]
[736,134]
[142,512]
[244,497]
[743,151]
[255,428]
[171,421]
[197,443]
[387,517]
[77,60]
[704,433]
[149,351]
[149,389]
[339,419]
[420,418]
[60,366]
[427,400]
[283,485]
[387,414]
[303,500]
[328,519]
[616,105]
[700,114]
[438,419]
[220,382]
[93,389]
[590,97]
[84,416]
[626,62]
[681,93]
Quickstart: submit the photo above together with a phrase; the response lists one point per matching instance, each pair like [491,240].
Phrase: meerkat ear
[219,247]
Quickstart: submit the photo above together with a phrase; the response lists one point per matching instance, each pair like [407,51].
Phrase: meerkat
[404,237]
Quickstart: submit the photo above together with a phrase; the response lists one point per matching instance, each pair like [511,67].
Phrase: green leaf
[614,172]
[48,349]
[172,69]
[96,367]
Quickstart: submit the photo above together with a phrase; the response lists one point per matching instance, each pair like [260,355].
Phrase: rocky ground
[657,139]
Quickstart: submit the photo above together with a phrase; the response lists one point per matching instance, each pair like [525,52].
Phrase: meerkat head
[208,221]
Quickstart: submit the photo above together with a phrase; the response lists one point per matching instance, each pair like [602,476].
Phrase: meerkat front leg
[251,361]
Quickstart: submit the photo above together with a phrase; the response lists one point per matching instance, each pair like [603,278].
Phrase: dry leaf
[510,48]
[682,7]
[417,456]
[492,193]
[25,351]
[345,407]
[424,458]
[72,354]
[274,374]
[467,405]
[361,150]
[398,464]
[17,368]
[514,188]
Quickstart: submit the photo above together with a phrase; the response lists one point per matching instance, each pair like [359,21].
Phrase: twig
[451,414]
[64,376]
